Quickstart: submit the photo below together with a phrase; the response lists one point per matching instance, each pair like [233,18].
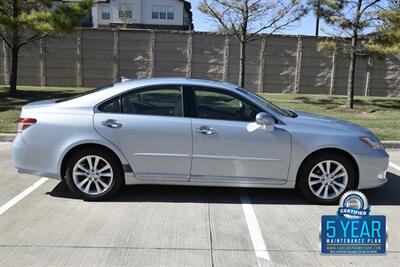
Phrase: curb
[391,144]
[9,137]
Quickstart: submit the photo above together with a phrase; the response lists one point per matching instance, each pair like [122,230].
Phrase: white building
[144,14]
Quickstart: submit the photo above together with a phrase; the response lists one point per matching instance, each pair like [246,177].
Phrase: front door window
[222,106]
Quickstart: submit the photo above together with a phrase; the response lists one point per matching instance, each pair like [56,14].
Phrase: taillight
[25,123]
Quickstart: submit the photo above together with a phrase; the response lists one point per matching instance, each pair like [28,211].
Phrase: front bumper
[372,169]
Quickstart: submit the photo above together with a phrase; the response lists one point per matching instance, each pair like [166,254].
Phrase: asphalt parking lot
[175,226]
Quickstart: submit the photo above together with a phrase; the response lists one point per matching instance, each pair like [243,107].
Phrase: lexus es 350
[180,131]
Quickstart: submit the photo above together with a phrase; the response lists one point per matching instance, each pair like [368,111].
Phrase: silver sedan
[192,132]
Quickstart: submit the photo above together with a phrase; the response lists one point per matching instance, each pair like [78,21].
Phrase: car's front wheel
[94,174]
[324,177]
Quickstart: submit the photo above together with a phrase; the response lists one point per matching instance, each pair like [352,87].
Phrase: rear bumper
[372,169]
[32,159]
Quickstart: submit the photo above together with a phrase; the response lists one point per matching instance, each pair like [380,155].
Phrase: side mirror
[266,120]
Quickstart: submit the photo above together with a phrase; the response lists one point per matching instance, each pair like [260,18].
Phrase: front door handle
[112,124]
[205,130]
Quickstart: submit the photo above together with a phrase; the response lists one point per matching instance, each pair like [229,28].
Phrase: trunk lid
[40,104]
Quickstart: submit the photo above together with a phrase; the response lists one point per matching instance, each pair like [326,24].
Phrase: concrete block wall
[171,54]
[291,64]
[134,55]
[61,61]
[208,57]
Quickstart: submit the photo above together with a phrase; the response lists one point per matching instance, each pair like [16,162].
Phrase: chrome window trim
[139,89]
[182,85]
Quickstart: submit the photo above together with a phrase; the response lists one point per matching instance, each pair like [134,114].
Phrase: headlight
[373,143]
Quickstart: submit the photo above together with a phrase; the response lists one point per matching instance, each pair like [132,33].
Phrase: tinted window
[111,106]
[222,106]
[262,101]
[162,102]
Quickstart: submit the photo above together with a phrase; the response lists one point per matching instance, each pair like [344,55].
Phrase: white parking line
[260,249]
[394,166]
[21,195]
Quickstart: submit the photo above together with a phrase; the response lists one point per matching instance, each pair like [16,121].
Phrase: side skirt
[130,179]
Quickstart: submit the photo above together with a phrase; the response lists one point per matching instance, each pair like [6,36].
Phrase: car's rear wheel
[325,177]
[94,174]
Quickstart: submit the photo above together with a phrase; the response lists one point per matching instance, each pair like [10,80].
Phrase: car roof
[132,84]
[93,98]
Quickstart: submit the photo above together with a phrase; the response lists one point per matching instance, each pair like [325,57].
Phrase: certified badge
[353,230]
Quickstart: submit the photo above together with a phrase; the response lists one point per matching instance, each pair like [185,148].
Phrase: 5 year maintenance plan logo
[353,230]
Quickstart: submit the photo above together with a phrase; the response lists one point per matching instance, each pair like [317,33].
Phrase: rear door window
[111,106]
[159,101]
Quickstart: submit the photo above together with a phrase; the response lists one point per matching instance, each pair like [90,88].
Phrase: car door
[148,126]
[229,147]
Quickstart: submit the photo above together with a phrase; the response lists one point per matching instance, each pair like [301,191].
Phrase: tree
[26,21]
[355,19]
[387,38]
[316,4]
[125,14]
[245,20]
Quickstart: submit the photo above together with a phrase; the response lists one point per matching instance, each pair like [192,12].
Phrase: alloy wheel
[92,175]
[328,179]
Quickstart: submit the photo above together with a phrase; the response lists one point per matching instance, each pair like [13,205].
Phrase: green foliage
[352,19]
[387,39]
[25,21]
[377,27]
[66,17]
[326,46]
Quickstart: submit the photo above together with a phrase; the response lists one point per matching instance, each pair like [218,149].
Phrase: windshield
[82,94]
[265,103]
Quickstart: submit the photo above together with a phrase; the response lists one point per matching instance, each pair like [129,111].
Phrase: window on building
[105,12]
[154,12]
[170,14]
[163,12]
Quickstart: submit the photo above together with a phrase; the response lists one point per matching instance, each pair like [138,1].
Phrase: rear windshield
[83,94]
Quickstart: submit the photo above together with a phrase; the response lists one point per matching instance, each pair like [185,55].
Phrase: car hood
[331,122]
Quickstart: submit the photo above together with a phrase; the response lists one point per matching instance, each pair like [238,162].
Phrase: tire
[311,177]
[105,179]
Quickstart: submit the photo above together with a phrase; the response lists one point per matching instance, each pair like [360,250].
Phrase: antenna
[124,79]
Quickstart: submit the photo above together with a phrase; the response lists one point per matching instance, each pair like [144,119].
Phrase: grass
[379,114]
[10,107]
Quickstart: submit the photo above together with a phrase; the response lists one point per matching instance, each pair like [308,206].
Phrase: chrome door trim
[232,179]
[161,177]
[162,155]
[233,158]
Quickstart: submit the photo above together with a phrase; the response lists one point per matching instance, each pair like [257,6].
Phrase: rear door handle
[206,130]
[112,124]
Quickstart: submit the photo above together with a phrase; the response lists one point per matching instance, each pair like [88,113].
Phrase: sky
[304,27]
